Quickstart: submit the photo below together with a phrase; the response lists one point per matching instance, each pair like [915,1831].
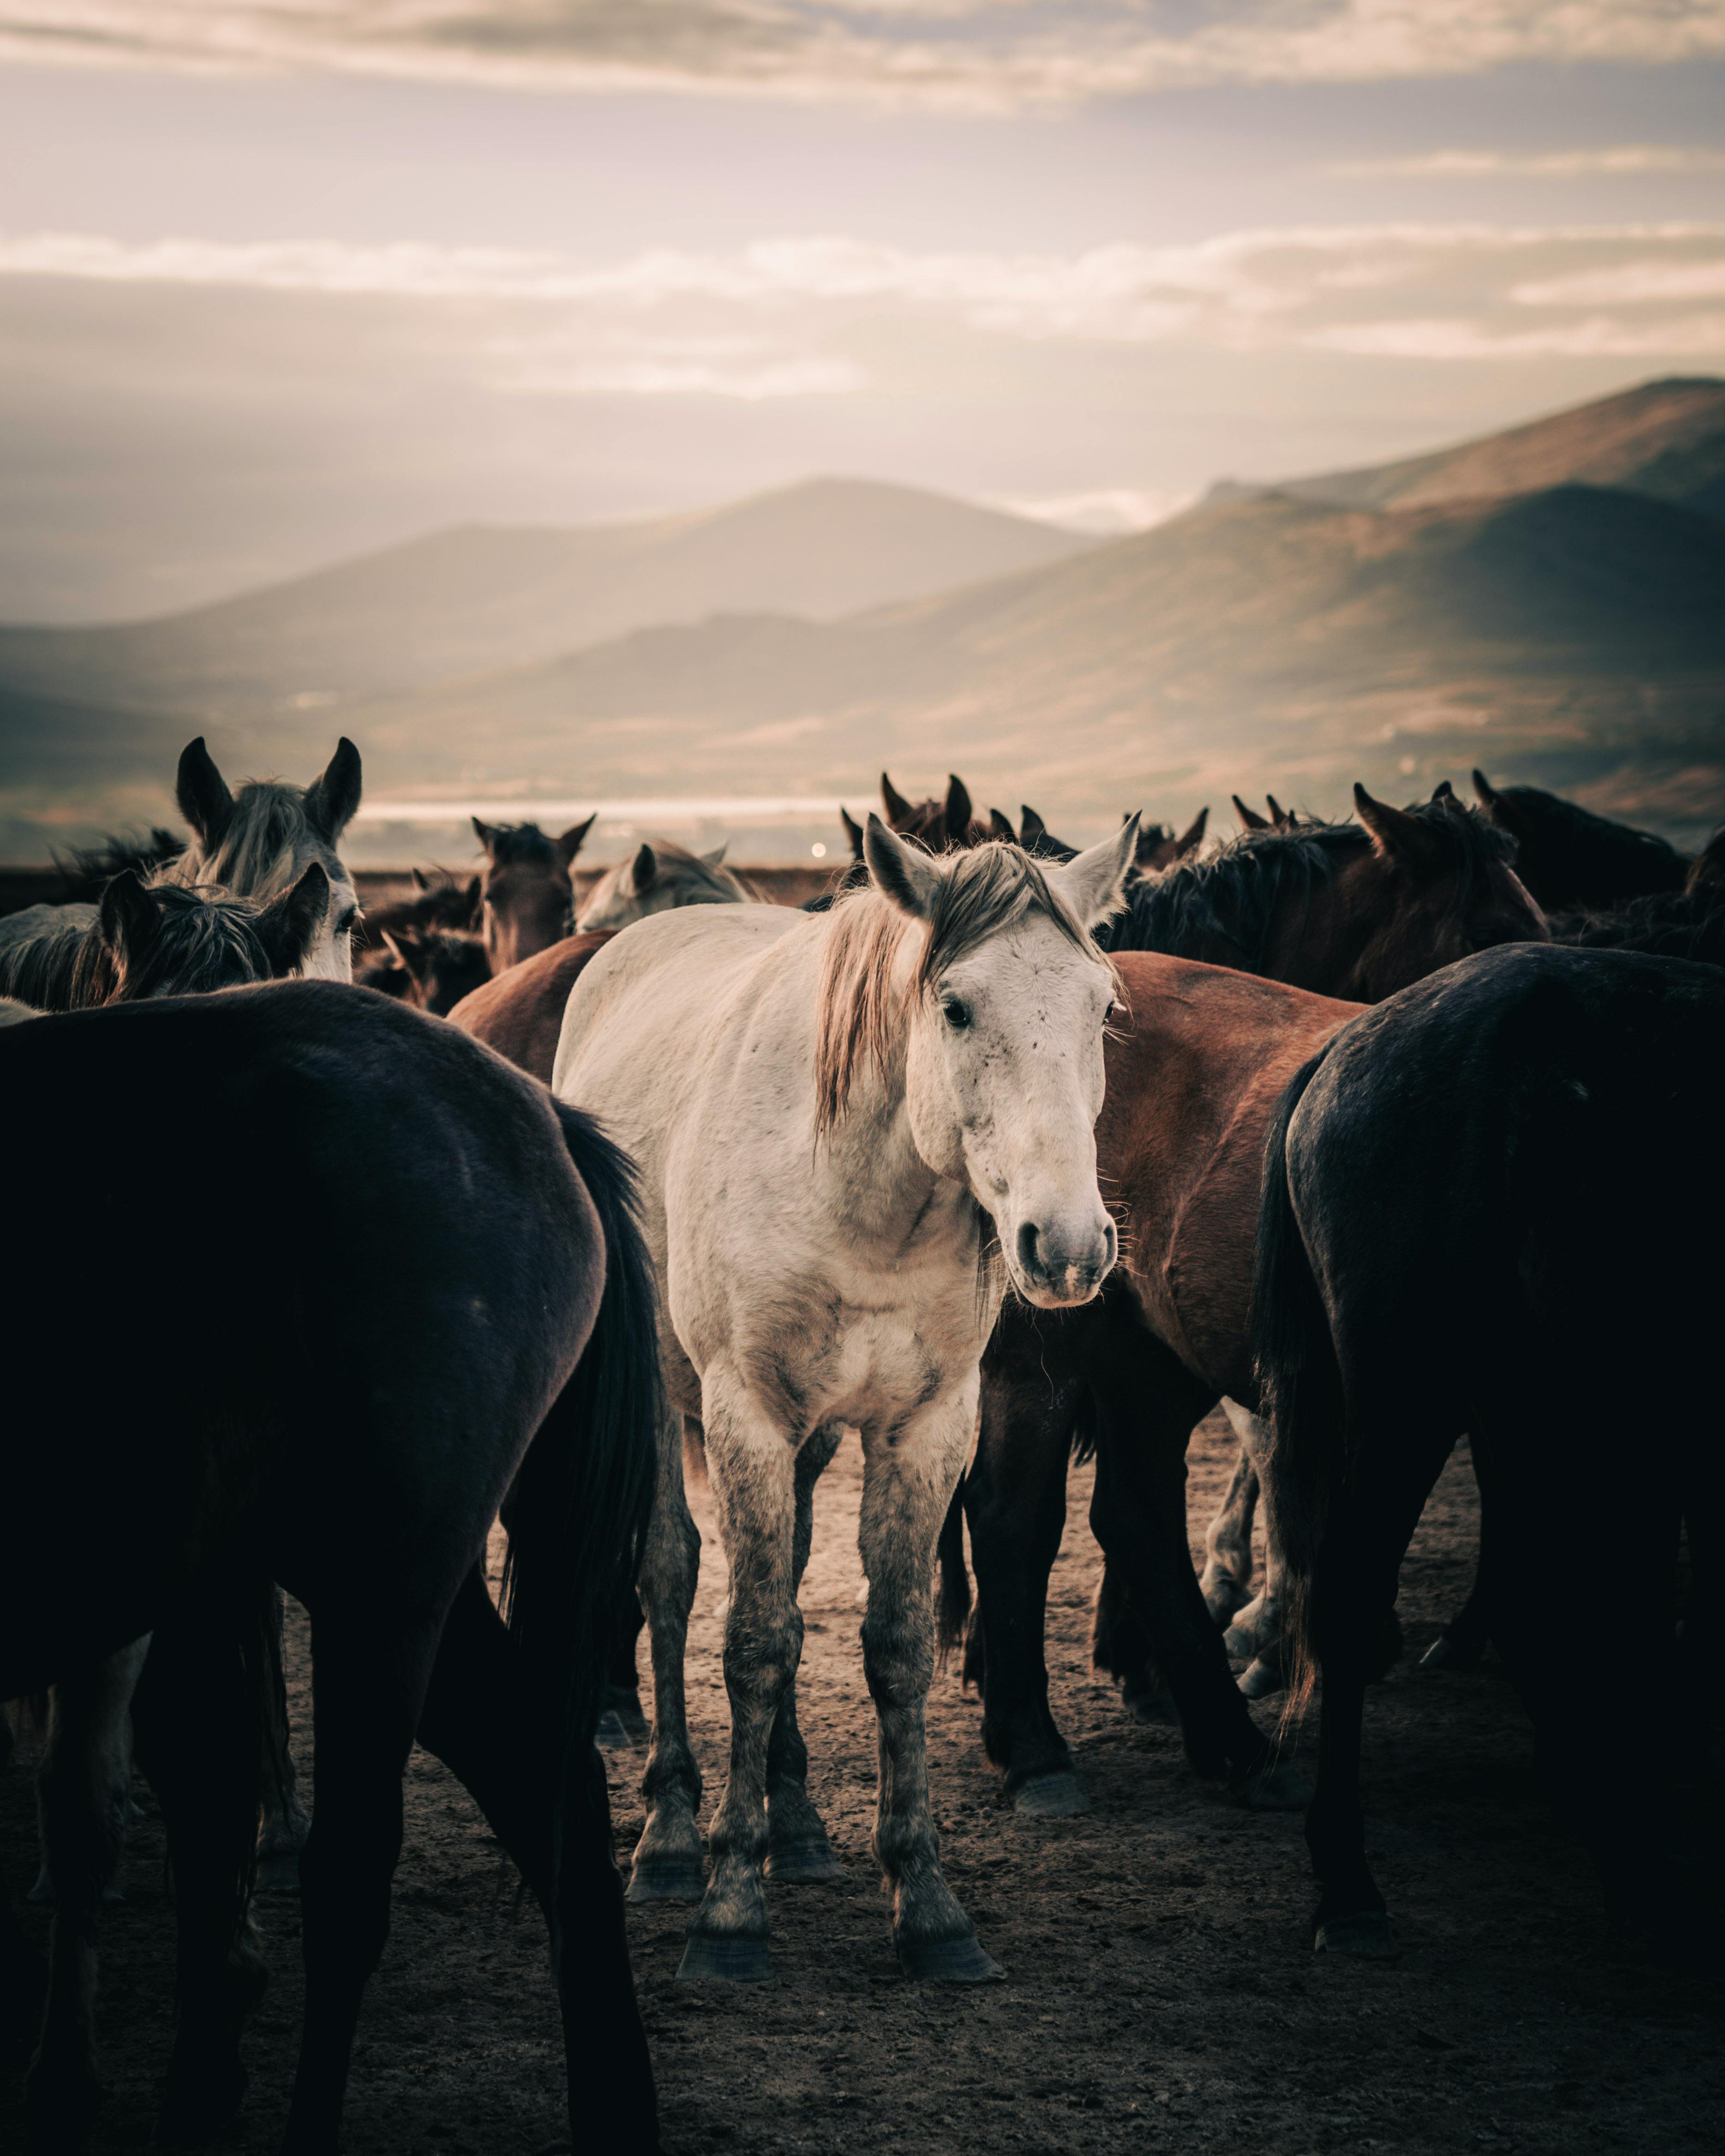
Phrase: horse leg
[1121,1648]
[81,1808]
[1256,1634]
[369,1678]
[623,1727]
[752,1464]
[909,1475]
[482,1720]
[1352,1593]
[1463,1640]
[286,1825]
[667,1860]
[1147,1405]
[798,1849]
[1227,1572]
[1015,1498]
[200,1710]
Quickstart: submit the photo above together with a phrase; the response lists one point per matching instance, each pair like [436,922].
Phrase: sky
[284,283]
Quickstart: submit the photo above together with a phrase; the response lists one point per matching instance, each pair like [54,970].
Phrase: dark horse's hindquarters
[1478,1215]
[218,1419]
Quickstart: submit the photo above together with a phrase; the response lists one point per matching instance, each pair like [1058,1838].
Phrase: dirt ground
[1160,1992]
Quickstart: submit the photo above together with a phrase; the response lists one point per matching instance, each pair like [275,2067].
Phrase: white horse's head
[998,1009]
[260,842]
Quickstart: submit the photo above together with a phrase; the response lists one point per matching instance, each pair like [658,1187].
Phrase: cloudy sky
[284,282]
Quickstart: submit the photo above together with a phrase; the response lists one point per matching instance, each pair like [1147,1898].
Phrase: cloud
[1627,161]
[968,54]
[1109,511]
[835,316]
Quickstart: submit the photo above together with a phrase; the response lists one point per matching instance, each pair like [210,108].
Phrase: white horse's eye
[956,1012]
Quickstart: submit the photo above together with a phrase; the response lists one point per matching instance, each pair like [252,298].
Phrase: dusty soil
[1159,1992]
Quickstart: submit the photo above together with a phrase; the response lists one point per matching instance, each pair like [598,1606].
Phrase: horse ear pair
[1401,839]
[206,802]
[1092,883]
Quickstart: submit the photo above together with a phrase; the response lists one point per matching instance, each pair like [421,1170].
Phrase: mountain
[1562,621]
[1275,640]
[467,600]
[1664,439]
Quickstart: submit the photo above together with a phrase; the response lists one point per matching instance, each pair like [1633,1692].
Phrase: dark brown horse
[1479,1206]
[1569,858]
[526,898]
[1352,911]
[239,1428]
[436,967]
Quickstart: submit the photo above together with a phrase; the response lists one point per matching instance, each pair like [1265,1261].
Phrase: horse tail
[955,1579]
[577,1515]
[1300,1390]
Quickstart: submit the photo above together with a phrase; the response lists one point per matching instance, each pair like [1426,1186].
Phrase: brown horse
[525,897]
[1352,911]
[520,1013]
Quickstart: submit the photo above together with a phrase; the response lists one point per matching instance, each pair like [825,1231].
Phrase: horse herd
[1380,1132]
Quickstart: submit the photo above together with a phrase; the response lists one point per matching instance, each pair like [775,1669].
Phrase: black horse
[1476,1216]
[216,1422]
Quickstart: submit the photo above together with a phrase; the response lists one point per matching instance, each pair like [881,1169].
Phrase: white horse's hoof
[949,1961]
[667,1879]
[1051,1796]
[725,1957]
[1261,1679]
[1367,1937]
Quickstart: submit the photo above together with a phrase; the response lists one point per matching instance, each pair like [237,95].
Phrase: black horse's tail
[1299,1388]
[576,1516]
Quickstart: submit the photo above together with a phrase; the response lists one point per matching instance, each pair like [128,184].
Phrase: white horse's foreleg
[909,1475]
[798,1847]
[1227,1572]
[1255,1633]
[667,1861]
[752,1460]
[82,1793]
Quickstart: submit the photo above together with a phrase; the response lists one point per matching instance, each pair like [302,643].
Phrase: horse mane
[85,869]
[203,940]
[1665,924]
[269,840]
[519,842]
[1223,910]
[980,893]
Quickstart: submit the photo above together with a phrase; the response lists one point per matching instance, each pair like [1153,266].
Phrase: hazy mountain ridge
[1664,439]
[479,597]
[1273,637]
[1572,632]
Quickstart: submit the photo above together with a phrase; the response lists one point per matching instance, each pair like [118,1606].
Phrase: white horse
[852,1128]
[258,843]
[657,878]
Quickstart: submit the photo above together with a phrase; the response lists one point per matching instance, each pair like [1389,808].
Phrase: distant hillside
[471,599]
[1562,620]
[1664,438]
[1275,639]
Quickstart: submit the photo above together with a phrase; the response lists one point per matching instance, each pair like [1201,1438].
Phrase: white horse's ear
[903,874]
[715,858]
[1094,882]
[642,870]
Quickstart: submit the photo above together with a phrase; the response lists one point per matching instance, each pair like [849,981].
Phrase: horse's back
[661,981]
[520,1013]
[1531,1134]
[206,1178]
